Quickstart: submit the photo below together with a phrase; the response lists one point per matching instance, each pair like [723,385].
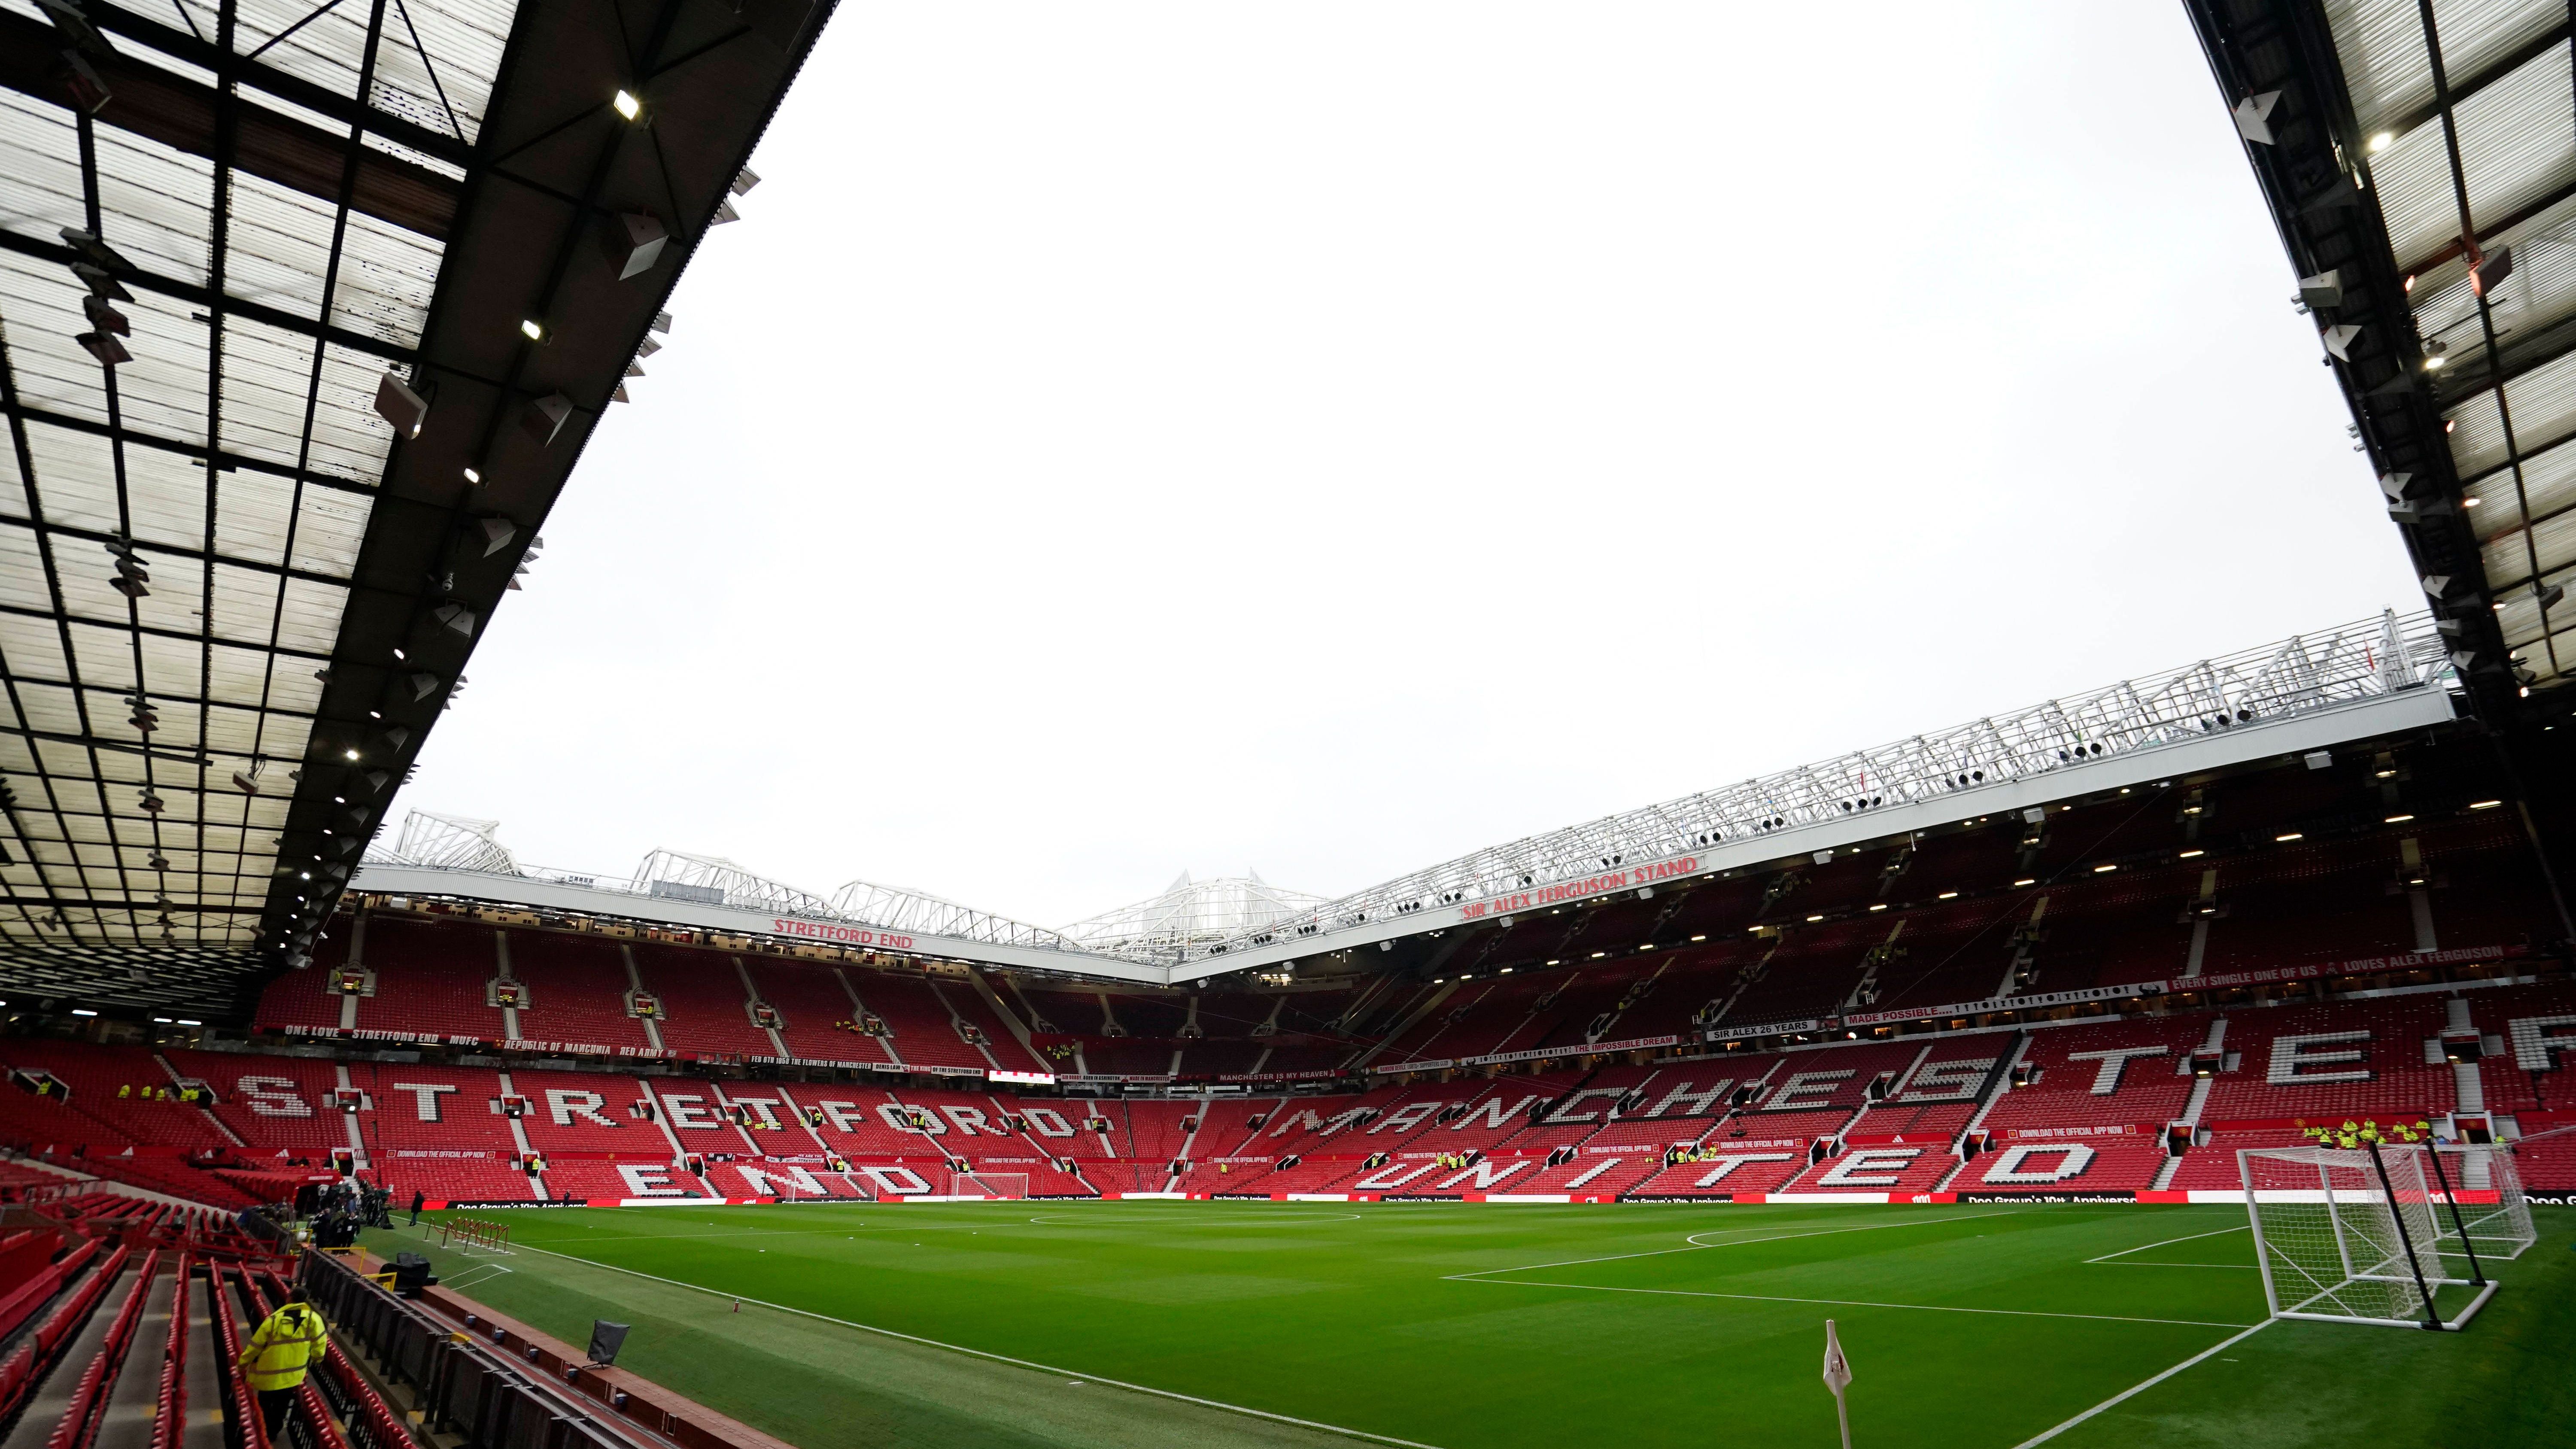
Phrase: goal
[2348,1235]
[988,1184]
[2500,1229]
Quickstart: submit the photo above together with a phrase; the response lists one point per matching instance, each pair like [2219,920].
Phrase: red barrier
[81,1417]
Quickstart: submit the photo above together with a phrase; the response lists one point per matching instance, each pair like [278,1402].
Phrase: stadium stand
[702,1000]
[577,990]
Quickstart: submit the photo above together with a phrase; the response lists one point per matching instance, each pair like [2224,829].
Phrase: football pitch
[1482,1326]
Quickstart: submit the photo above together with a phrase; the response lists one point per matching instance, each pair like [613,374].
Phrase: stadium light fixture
[2025,881]
[628,105]
[2104,869]
[474,475]
[2287,836]
[2397,819]
[1811,920]
[2382,142]
[532,329]
[2484,804]
[1878,905]
[79,1011]
[1949,895]
[352,754]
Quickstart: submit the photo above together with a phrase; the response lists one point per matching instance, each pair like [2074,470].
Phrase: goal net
[2343,1238]
[988,1184]
[2499,1229]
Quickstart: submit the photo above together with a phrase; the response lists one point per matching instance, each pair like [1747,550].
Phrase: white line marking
[2215,1232]
[1864,1303]
[1695,1244]
[2045,1436]
[1001,1357]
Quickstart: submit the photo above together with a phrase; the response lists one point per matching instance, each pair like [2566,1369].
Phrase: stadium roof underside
[2420,160]
[306,312]
[2368,680]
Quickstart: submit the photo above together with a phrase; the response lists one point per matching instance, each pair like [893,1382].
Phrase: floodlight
[744,180]
[533,330]
[2325,289]
[473,475]
[104,317]
[2382,142]
[628,105]
[105,347]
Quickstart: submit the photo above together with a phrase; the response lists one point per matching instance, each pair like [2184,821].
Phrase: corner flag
[1838,1377]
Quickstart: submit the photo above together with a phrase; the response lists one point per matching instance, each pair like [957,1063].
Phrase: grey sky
[1131,437]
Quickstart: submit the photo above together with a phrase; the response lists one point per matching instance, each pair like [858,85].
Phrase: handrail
[19,1374]
[254,1431]
[170,1413]
[81,1416]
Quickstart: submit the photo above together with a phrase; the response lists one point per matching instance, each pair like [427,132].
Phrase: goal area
[2348,1235]
[2495,1230]
[994,1185]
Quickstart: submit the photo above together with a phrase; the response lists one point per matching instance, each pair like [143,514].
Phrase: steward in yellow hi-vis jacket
[279,1351]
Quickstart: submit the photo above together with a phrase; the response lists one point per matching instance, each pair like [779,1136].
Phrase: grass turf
[1476,1326]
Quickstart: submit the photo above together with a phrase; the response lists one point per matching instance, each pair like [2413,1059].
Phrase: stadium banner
[1575,890]
[1313,1076]
[2035,1000]
[1632,1044]
[359,1033]
[2107,1129]
[1433,1065]
[589,1049]
[2356,966]
[824,1062]
[2050,1195]
[1034,1079]
[1764,1028]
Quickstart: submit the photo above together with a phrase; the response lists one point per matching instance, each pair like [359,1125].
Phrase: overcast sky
[1127,437]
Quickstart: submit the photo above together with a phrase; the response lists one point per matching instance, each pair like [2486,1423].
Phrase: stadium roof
[306,311]
[2366,680]
[1191,914]
[2420,161]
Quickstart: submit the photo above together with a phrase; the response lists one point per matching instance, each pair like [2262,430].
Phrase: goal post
[2349,1235]
[2498,1230]
[993,1185]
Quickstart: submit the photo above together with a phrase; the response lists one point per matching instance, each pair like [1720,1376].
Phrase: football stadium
[2187,1059]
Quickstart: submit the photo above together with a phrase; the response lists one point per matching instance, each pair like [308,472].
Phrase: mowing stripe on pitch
[1001,1357]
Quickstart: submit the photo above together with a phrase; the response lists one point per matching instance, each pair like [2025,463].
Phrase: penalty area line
[1000,1357]
[2131,1392]
[2169,1242]
[1861,1303]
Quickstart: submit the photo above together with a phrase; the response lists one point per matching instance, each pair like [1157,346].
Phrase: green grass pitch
[1478,1326]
